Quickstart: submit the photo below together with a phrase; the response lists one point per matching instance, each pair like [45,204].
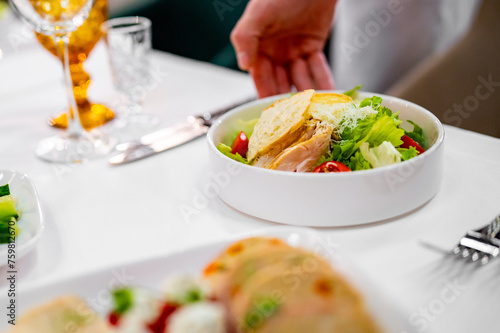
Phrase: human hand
[280,42]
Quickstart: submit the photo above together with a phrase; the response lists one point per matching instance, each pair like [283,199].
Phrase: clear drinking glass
[129,45]
[58,19]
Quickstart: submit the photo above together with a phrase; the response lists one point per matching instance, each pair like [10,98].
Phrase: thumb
[245,40]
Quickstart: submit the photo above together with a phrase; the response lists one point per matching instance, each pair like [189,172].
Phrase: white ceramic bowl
[31,222]
[329,199]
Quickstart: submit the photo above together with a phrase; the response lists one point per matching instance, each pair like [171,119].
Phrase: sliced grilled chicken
[266,161]
[303,156]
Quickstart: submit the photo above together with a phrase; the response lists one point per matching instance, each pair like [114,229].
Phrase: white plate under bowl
[95,287]
[31,222]
[329,199]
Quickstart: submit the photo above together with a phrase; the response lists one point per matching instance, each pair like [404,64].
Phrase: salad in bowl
[324,132]
[383,155]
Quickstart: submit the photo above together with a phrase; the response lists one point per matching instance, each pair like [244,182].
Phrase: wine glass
[128,42]
[81,43]
[58,18]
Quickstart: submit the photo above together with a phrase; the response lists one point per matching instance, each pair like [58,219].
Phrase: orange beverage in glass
[81,42]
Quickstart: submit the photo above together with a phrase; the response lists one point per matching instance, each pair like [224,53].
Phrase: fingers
[320,71]
[245,44]
[269,78]
[310,73]
[263,77]
[301,77]
[245,35]
[282,80]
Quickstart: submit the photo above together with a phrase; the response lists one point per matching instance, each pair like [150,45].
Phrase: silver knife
[169,137]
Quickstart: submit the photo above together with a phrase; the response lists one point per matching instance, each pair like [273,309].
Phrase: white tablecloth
[97,215]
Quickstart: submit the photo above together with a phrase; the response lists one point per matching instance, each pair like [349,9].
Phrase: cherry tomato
[409,142]
[240,145]
[332,166]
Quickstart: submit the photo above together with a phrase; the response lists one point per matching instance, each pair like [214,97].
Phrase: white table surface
[97,216]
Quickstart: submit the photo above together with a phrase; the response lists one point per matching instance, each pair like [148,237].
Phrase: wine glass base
[73,149]
[91,116]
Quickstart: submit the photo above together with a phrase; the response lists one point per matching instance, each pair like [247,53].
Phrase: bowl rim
[388,168]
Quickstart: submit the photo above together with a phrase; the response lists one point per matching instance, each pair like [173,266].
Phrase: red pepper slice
[113,318]
[240,145]
[160,323]
[331,166]
[409,142]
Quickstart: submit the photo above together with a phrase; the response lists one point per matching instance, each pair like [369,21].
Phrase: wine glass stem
[74,128]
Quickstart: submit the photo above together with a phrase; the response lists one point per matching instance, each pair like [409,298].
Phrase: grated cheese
[329,113]
[352,116]
[334,114]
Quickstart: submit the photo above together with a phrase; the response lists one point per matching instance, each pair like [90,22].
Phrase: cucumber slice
[5,236]
[7,205]
[8,215]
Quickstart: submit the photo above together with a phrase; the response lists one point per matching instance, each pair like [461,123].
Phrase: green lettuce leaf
[358,162]
[407,153]
[384,129]
[246,126]
[193,295]
[4,190]
[122,299]
[226,150]
[353,92]
[372,130]
[382,155]
[417,135]
[374,102]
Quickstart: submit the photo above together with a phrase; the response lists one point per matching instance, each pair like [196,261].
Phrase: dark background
[198,29]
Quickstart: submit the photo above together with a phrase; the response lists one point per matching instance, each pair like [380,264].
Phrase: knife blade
[152,137]
[169,137]
[174,138]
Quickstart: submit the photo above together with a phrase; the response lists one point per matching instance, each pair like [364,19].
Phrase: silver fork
[480,245]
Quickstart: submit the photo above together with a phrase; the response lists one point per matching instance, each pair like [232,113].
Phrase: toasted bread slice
[280,124]
[64,314]
[329,108]
[330,98]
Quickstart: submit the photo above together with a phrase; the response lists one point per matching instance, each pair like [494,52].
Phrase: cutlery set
[169,137]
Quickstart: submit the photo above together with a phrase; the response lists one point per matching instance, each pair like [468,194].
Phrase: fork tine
[465,252]
[476,249]
[480,245]
[460,251]
[484,258]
